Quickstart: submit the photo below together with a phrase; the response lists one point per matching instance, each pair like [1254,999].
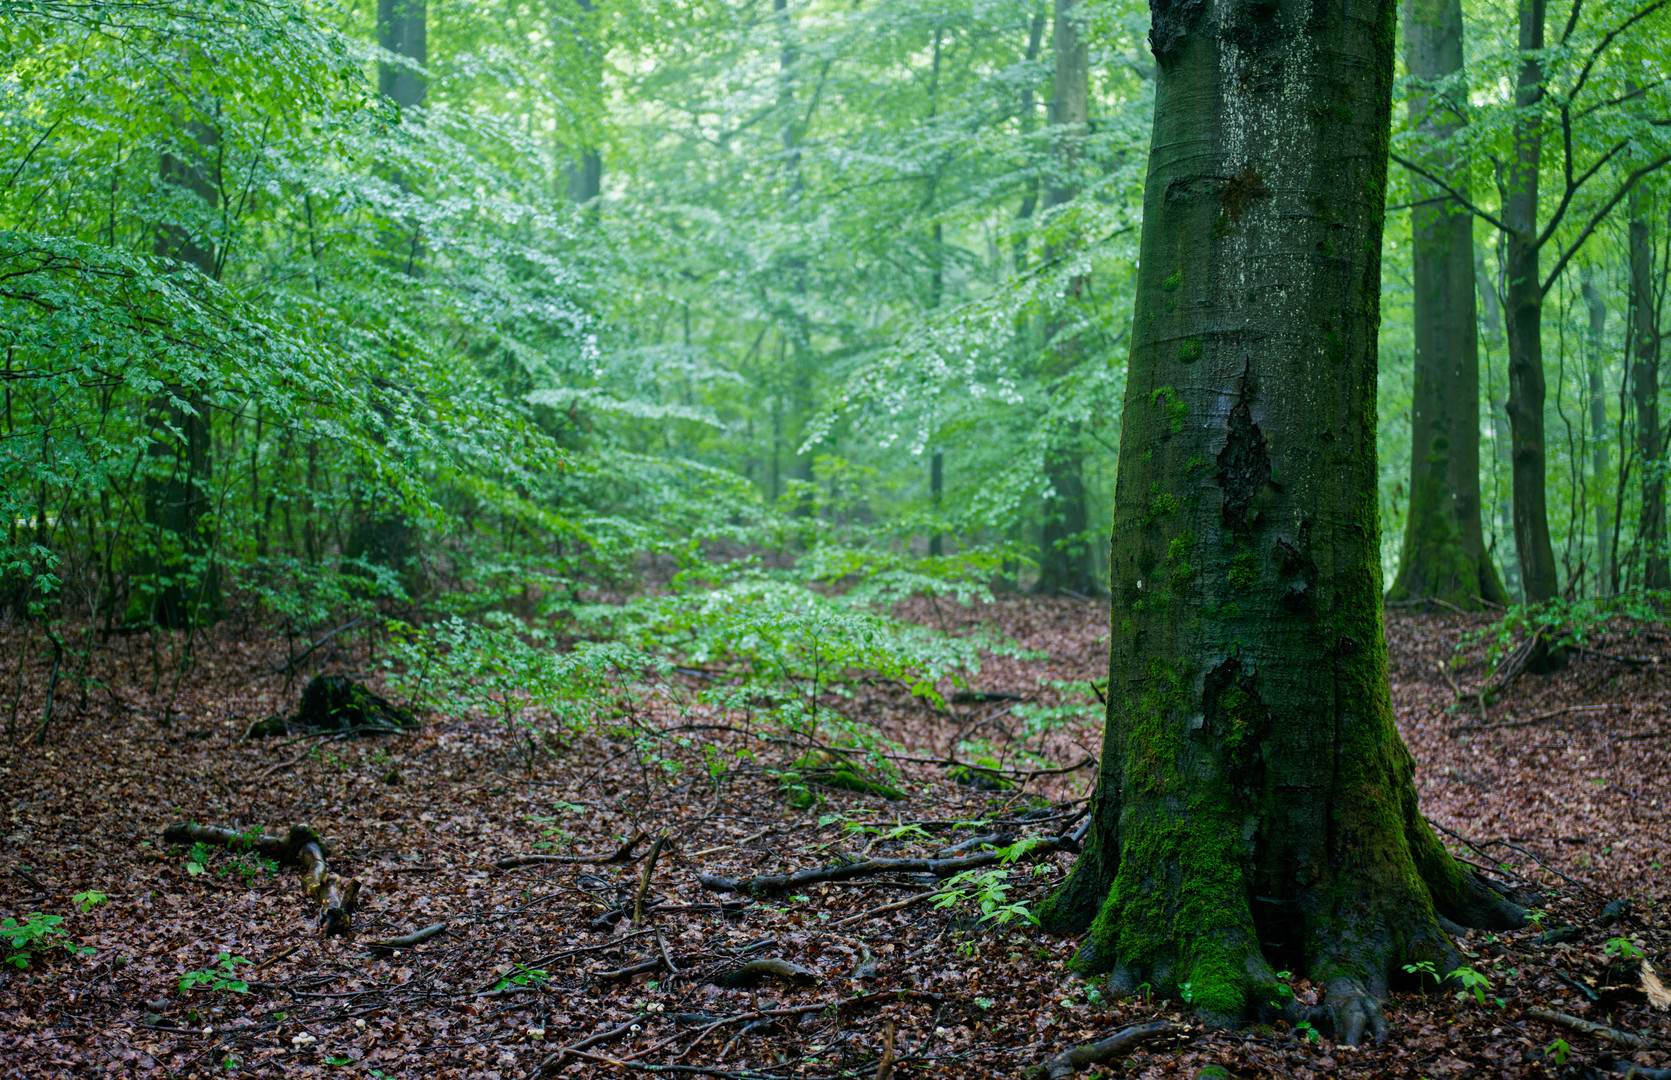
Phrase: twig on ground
[885,908]
[1069,1062]
[769,884]
[1538,719]
[620,854]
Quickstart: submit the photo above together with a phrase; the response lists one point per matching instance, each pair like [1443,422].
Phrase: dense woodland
[701,421]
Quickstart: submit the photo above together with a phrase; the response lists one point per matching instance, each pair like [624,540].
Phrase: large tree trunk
[1444,552]
[1644,386]
[1065,561]
[1523,312]
[1255,808]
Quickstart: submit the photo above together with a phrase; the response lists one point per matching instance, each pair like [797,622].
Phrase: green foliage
[524,976]
[221,975]
[985,893]
[1622,947]
[35,935]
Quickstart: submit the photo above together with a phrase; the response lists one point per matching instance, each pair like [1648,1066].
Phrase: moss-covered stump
[335,703]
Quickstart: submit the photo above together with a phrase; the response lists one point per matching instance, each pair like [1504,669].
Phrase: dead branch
[335,897]
[1630,1070]
[1538,719]
[772,884]
[622,854]
[1123,1041]
[644,878]
[1590,1027]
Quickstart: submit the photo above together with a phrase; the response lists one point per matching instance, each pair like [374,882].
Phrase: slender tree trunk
[1255,808]
[1644,385]
[1444,552]
[583,175]
[1523,313]
[1598,428]
[177,498]
[381,533]
[796,317]
[1065,560]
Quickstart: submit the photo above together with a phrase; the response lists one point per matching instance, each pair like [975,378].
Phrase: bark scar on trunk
[1244,465]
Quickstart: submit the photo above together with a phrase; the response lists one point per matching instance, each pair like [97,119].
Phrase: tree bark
[1444,553]
[1064,556]
[1255,808]
[1523,314]
[403,29]
[177,498]
[1644,385]
[583,176]
[1598,428]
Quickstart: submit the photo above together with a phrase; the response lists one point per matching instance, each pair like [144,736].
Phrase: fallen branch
[1590,1027]
[772,884]
[1123,1041]
[407,941]
[555,1061]
[622,854]
[1538,719]
[885,908]
[335,897]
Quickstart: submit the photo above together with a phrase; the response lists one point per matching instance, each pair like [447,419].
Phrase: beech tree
[1255,808]
[1444,553]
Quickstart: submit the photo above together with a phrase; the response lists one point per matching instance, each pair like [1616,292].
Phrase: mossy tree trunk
[1065,563]
[1644,385]
[1444,553]
[1256,809]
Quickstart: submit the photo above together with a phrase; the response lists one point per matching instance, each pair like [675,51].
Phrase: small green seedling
[1622,946]
[36,935]
[222,976]
[1557,1051]
[1305,1031]
[1472,983]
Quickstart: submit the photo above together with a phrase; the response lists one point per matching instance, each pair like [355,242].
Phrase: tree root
[335,897]
[1121,1042]
[773,884]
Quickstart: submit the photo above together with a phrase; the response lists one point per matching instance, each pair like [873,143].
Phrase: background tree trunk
[1255,808]
[1444,552]
[1065,562]
[1523,313]
[177,498]
[1644,385]
[1599,435]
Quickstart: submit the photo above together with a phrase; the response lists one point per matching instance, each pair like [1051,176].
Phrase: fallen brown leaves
[1572,804]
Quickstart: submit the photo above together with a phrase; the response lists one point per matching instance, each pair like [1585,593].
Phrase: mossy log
[334,896]
[336,703]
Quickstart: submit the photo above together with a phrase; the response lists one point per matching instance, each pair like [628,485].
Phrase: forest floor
[1564,792]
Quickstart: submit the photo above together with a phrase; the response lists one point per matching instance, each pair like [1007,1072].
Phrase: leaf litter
[208,963]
